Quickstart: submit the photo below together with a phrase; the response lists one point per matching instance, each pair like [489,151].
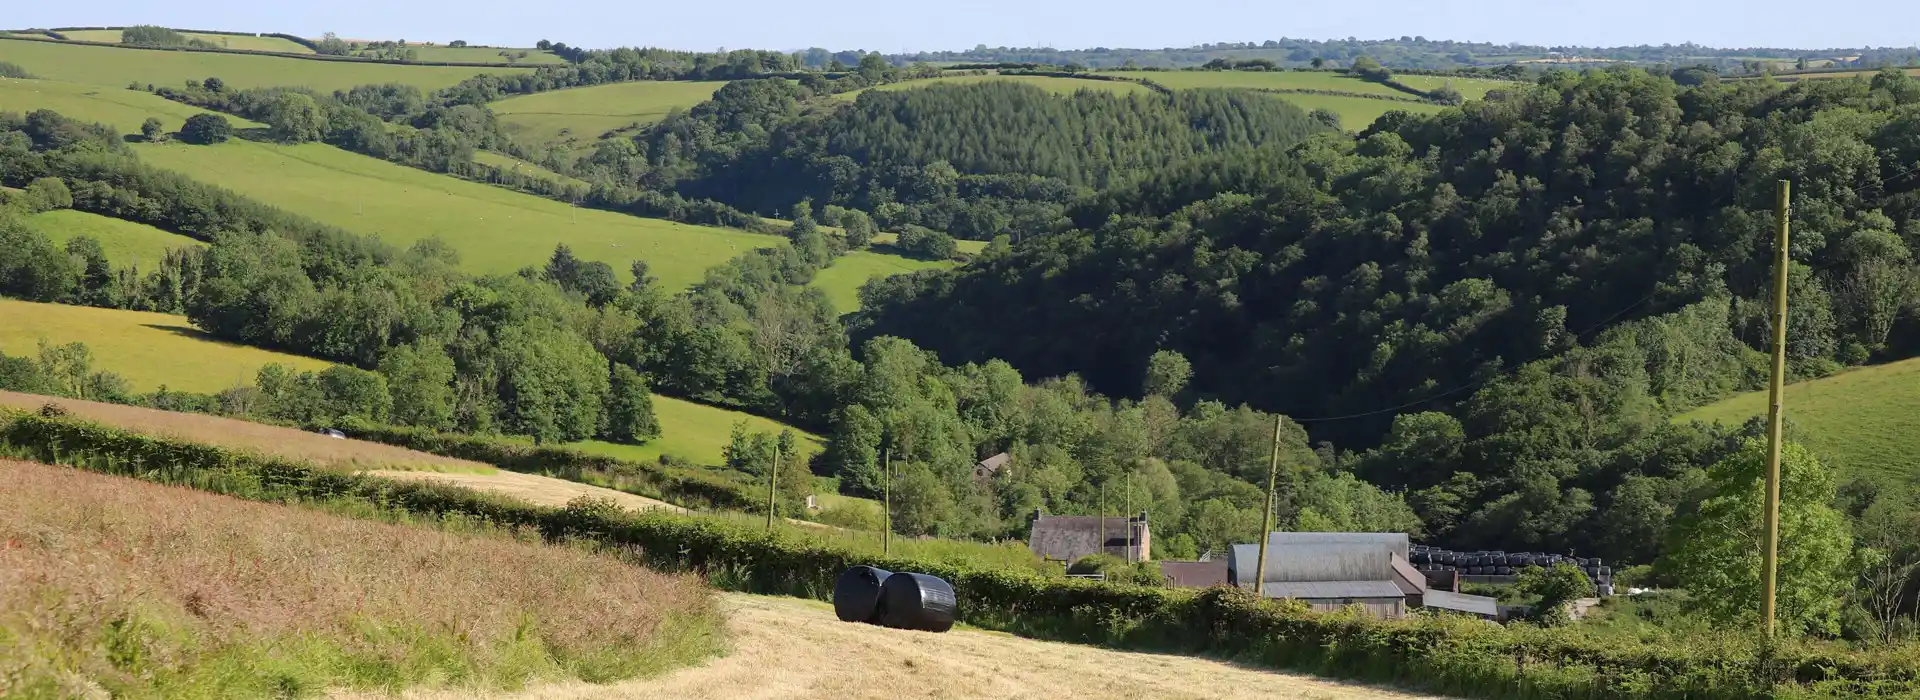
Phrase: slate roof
[1194,574]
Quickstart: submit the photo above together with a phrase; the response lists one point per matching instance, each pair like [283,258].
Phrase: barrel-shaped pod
[856,594]
[917,602]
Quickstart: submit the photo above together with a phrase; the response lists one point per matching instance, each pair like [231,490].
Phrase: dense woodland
[1477,323]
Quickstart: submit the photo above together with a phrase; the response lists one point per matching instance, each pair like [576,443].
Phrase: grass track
[579,116]
[125,242]
[1860,421]
[148,349]
[495,230]
[841,281]
[226,41]
[116,67]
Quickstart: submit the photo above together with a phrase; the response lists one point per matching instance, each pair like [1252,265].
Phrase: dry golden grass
[787,649]
[115,585]
[532,488]
[257,437]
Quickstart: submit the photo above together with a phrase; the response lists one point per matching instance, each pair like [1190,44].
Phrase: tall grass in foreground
[113,586]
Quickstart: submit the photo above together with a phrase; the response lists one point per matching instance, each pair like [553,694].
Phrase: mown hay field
[580,116]
[1859,422]
[226,41]
[1063,86]
[841,280]
[117,587]
[148,349]
[126,243]
[495,230]
[788,649]
[113,66]
[697,433]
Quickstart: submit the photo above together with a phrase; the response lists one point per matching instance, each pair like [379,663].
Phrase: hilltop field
[579,117]
[116,67]
[1860,421]
[1063,86]
[151,350]
[126,243]
[271,44]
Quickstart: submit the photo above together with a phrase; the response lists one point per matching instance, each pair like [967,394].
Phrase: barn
[1333,570]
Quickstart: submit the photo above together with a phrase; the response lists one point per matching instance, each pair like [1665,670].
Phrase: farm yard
[151,350]
[116,67]
[495,230]
[578,117]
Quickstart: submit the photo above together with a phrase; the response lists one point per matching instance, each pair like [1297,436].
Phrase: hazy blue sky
[947,24]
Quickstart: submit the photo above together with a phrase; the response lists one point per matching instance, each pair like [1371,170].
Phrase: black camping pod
[916,602]
[856,594]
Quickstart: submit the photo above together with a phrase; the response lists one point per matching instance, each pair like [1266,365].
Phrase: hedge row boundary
[281,54]
[1447,654]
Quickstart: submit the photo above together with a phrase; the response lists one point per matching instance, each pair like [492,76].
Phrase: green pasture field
[697,433]
[1063,86]
[126,243]
[117,107]
[226,41]
[580,116]
[476,54]
[495,230]
[1470,88]
[114,66]
[841,280]
[148,349]
[1861,422]
[965,246]
[1266,80]
[510,163]
[1356,113]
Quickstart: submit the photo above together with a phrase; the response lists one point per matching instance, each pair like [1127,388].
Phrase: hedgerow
[1446,654]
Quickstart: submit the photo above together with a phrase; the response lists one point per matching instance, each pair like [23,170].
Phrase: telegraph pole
[886,479]
[773,481]
[1769,570]
[1129,513]
[1103,516]
[1266,522]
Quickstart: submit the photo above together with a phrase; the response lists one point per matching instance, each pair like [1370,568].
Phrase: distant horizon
[1134,24]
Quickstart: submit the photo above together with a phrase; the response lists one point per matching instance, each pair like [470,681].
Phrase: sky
[894,27]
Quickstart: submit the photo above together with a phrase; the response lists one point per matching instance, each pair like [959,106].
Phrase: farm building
[1070,537]
[990,467]
[1194,574]
[1332,570]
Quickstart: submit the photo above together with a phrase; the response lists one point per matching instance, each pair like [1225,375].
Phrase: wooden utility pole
[886,480]
[1266,522]
[773,481]
[1103,516]
[1769,570]
[1129,513]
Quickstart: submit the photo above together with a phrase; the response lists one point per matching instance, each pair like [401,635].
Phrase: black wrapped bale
[856,594]
[916,602]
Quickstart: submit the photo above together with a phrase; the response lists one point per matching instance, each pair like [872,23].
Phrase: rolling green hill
[494,229]
[117,107]
[1470,88]
[1266,80]
[478,54]
[148,349]
[580,116]
[1064,86]
[1861,421]
[1356,113]
[125,242]
[117,67]
[842,280]
[226,41]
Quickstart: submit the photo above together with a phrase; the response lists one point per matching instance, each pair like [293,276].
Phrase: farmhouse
[1332,570]
[1070,537]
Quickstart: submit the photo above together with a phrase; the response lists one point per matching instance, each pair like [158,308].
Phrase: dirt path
[532,488]
[787,649]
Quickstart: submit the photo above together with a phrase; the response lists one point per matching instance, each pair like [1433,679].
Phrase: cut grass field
[790,649]
[580,116]
[148,349]
[288,443]
[494,229]
[116,106]
[115,587]
[1858,422]
[126,243]
[841,280]
[1063,86]
[226,41]
[697,433]
[112,66]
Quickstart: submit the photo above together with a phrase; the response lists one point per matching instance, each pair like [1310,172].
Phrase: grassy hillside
[494,229]
[245,599]
[1269,80]
[475,54]
[226,41]
[118,107]
[1861,421]
[1470,88]
[696,432]
[148,349]
[841,281]
[125,242]
[1356,113]
[501,160]
[1064,86]
[581,115]
[117,67]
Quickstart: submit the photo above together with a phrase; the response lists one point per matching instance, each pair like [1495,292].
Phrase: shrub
[1555,586]
[13,70]
[206,129]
